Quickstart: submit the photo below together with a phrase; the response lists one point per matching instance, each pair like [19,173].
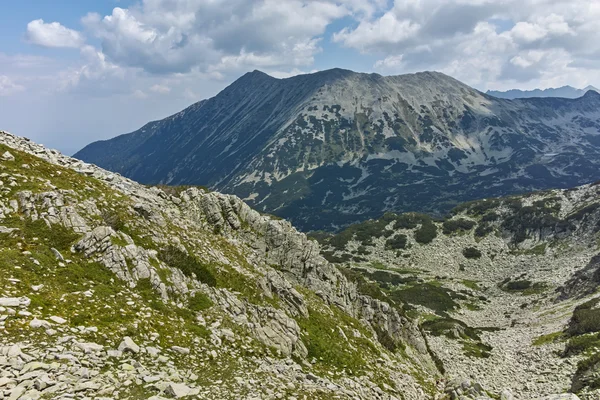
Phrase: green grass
[199,302]
[471,284]
[439,299]
[324,342]
[549,338]
[188,264]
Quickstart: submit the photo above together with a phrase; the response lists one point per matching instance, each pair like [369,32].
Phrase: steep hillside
[110,289]
[505,289]
[113,290]
[335,147]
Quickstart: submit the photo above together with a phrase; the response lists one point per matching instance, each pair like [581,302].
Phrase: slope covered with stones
[506,290]
[327,149]
[111,289]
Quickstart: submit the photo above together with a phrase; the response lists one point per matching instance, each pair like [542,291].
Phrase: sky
[76,71]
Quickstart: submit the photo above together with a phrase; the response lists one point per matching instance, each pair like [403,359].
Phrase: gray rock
[178,390]
[7,156]
[129,345]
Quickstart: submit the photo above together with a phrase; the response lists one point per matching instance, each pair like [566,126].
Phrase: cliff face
[184,291]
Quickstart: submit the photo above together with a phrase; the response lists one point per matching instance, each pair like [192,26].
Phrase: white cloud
[97,75]
[162,89]
[390,62]
[52,35]
[384,31]
[8,87]
[470,40]
[139,94]
[166,37]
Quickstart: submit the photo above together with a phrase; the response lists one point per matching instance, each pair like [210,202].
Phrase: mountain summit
[333,147]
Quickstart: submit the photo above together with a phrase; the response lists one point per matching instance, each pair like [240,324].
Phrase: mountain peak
[284,144]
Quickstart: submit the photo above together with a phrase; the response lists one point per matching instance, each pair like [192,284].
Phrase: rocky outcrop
[583,283]
[125,226]
[277,243]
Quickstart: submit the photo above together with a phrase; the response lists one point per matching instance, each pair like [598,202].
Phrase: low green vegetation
[523,286]
[188,264]
[583,334]
[471,284]
[471,252]
[476,207]
[451,226]
[455,329]
[427,232]
[585,319]
[364,287]
[176,190]
[397,242]
[437,298]
[199,302]
[549,338]
[330,341]
[385,226]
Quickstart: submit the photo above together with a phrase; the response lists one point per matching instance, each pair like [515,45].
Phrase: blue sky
[76,71]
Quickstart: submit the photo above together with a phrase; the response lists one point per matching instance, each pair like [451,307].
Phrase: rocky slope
[111,289]
[326,149]
[505,289]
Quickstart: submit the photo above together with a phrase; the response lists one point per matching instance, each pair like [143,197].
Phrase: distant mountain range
[335,147]
[568,92]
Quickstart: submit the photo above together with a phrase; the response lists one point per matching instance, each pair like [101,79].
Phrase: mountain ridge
[563,91]
[351,146]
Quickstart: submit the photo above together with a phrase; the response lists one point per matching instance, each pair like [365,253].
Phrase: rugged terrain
[111,289]
[495,286]
[334,147]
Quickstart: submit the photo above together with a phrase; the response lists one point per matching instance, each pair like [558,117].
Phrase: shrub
[426,233]
[471,252]
[483,229]
[188,264]
[397,242]
[454,225]
[518,285]
[437,298]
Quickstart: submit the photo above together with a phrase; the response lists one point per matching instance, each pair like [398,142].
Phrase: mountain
[327,149]
[568,92]
[110,289]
